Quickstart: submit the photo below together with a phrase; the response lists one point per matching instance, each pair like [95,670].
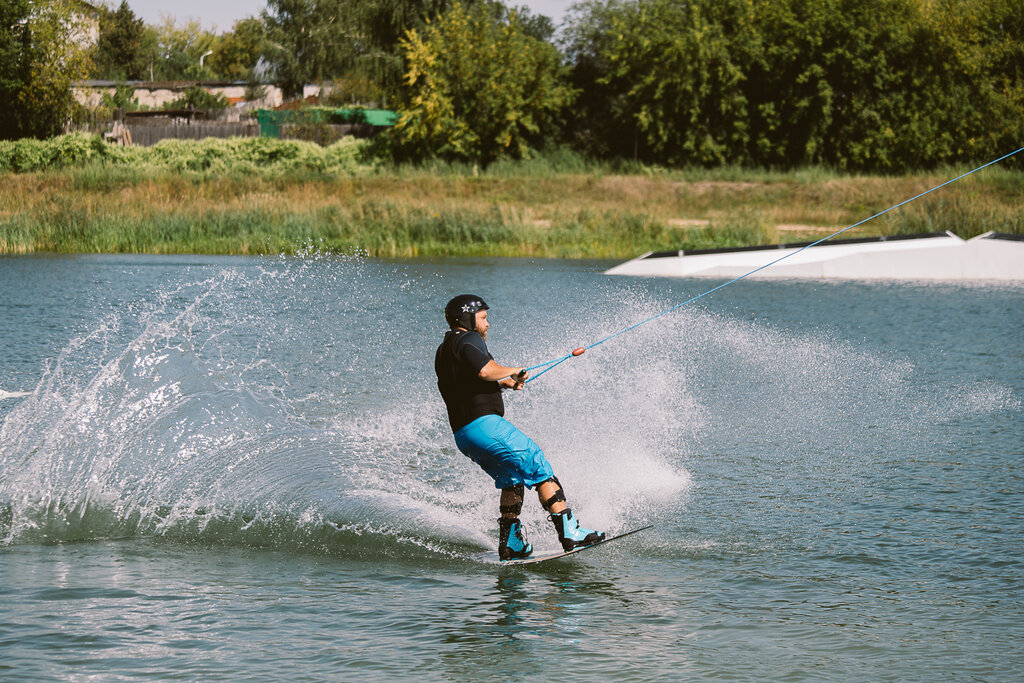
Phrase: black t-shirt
[458,361]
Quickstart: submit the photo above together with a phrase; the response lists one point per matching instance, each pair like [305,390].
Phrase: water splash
[176,420]
[266,404]
[290,402]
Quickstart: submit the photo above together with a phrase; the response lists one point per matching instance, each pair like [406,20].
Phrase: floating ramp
[930,256]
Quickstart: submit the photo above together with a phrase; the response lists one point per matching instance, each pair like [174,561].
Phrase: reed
[556,206]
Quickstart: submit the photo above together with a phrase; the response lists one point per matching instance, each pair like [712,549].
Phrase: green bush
[123,98]
[28,154]
[873,85]
[267,156]
[262,156]
[199,98]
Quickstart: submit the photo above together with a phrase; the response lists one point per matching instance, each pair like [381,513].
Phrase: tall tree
[381,24]
[183,51]
[479,88]
[310,41]
[879,85]
[680,67]
[56,53]
[15,47]
[319,40]
[986,39]
[601,123]
[121,50]
[236,53]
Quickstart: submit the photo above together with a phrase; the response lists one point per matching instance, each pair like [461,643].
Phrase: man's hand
[505,376]
[516,380]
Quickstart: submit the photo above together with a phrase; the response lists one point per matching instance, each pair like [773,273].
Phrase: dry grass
[417,212]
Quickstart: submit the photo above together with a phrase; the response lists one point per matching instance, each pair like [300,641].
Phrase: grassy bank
[553,207]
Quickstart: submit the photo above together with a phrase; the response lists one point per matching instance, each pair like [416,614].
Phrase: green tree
[872,56]
[15,44]
[662,80]
[123,97]
[236,53]
[535,25]
[880,85]
[314,41]
[790,96]
[380,26]
[310,41]
[181,48]
[599,123]
[479,88]
[54,54]
[121,52]
[897,83]
[680,68]
[985,41]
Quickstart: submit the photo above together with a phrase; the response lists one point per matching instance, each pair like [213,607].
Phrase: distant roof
[163,84]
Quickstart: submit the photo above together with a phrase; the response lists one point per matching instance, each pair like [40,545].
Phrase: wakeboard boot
[571,534]
[512,543]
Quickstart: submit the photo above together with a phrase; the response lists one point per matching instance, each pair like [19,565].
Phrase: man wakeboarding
[471,382]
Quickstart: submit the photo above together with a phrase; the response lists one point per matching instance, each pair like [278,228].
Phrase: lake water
[239,468]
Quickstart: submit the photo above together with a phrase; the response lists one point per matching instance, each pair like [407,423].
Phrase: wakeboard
[535,559]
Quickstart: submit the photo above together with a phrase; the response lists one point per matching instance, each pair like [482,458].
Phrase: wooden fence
[150,133]
[146,128]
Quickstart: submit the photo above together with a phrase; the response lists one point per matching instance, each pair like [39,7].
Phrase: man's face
[482,324]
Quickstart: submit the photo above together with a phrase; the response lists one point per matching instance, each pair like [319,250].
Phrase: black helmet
[461,311]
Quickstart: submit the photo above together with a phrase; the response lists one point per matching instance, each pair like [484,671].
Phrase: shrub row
[265,156]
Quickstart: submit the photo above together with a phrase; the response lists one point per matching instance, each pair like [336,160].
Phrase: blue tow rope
[551,364]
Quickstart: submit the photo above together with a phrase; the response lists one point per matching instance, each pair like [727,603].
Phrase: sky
[222,14]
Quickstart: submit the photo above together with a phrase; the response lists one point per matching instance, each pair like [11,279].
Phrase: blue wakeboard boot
[512,543]
[571,534]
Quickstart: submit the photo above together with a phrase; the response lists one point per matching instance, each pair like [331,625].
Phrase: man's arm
[511,378]
[474,351]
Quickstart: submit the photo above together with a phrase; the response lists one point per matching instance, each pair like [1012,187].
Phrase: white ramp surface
[934,256]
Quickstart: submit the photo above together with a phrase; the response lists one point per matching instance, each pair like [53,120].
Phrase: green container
[270,119]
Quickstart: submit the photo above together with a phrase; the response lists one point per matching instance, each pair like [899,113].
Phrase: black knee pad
[557,497]
[515,508]
[518,490]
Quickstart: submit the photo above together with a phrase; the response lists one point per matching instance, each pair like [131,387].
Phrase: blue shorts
[504,452]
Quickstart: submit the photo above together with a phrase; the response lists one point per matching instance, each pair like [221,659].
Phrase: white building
[154,95]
